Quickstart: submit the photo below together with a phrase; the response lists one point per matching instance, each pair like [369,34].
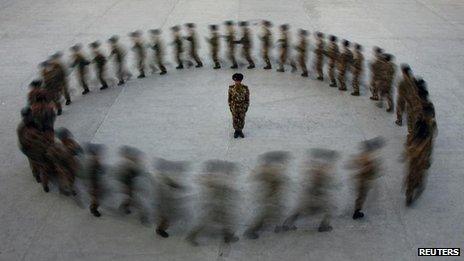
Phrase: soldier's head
[303,32]
[284,27]
[63,133]
[190,25]
[346,43]
[56,56]
[266,23]
[237,77]
[406,70]
[136,35]
[274,157]
[213,27]
[37,83]
[130,153]
[388,57]
[94,150]
[45,65]
[175,29]
[243,23]
[373,144]
[94,45]
[332,38]
[76,48]
[319,35]
[113,39]
[229,23]
[155,32]
[422,88]
[377,50]
[358,47]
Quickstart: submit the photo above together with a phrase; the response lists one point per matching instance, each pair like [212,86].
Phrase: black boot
[320,78]
[399,122]
[251,66]
[199,65]
[68,102]
[162,233]
[333,84]
[305,74]
[268,67]
[324,228]
[180,66]
[141,75]
[236,134]
[163,72]
[46,189]
[121,82]
[230,238]
[234,66]
[355,93]
[251,234]
[95,212]
[358,214]
[240,133]
[85,91]
[59,112]
[105,86]
[217,65]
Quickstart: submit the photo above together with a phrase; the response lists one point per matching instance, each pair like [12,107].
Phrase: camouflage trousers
[319,64]
[332,71]
[400,108]
[266,58]
[384,91]
[195,57]
[238,120]
[302,63]
[361,190]
[215,55]
[341,78]
[231,56]
[373,88]
[356,80]
[82,77]
[247,56]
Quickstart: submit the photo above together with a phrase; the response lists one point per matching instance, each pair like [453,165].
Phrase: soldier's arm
[247,97]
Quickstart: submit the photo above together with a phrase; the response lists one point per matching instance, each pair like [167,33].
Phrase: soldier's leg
[389,100]
[57,102]
[66,94]
[325,226]
[35,169]
[400,106]
[289,223]
[197,59]
[192,236]
[217,65]
[304,69]
[373,89]
[94,202]
[120,74]
[162,226]
[83,82]
[266,59]
[355,83]
[101,78]
[251,63]
[282,60]
[341,80]
[141,67]
[360,199]
[319,69]
[333,83]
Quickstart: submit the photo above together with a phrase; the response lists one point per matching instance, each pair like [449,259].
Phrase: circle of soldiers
[56,157]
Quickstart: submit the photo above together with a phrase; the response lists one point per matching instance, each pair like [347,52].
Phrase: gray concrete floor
[184,116]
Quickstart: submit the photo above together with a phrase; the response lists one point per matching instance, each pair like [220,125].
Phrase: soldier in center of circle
[239,100]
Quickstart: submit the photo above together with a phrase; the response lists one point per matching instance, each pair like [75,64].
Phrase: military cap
[319,34]
[332,38]
[137,33]
[220,166]
[229,22]
[63,133]
[26,111]
[45,63]
[357,46]
[175,28]
[284,27]
[129,152]
[213,27]
[95,44]
[35,83]
[378,49]
[303,32]
[324,154]
[163,165]
[237,77]
[243,23]
[93,148]
[113,39]
[388,57]
[76,47]
[373,144]
[56,55]
[275,157]
[155,31]
[267,23]
[405,68]
[190,25]
[346,43]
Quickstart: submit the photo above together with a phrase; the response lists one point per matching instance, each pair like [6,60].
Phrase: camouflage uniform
[239,100]
[214,43]
[344,63]
[192,38]
[230,39]
[158,49]
[53,84]
[284,43]
[129,170]
[333,55]
[119,57]
[100,63]
[178,47]
[376,70]
[319,53]
[61,76]
[266,39]
[357,69]
[140,53]
[385,81]
[95,171]
[246,44]
[302,52]
[81,63]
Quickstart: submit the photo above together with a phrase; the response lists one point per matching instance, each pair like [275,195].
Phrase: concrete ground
[184,116]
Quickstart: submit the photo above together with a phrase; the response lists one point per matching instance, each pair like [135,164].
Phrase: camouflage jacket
[239,98]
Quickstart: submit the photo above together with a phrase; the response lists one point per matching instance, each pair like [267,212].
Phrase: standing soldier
[119,57]
[95,171]
[302,50]
[284,43]
[178,46]
[239,100]
[271,184]
[158,49]
[246,44]
[100,62]
[140,52]
[230,39]
[385,81]
[367,166]
[315,197]
[344,62]
[192,38]
[79,61]
[375,72]
[319,53]
[61,75]
[129,169]
[333,55]
[214,43]
[357,68]
[266,39]
[52,84]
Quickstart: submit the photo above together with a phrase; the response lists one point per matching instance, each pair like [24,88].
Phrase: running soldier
[100,63]
[52,85]
[178,46]
[319,53]
[214,44]
[247,44]
[284,43]
[266,39]
[343,64]
[192,38]
[239,101]
[230,40]
[140,52]
[79,61]
[61,75]
[333,55]
[158,48]
[385,81]
[376,72]
[129,169]
[119,55]
[357,68]
[302,51]
[95,171]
